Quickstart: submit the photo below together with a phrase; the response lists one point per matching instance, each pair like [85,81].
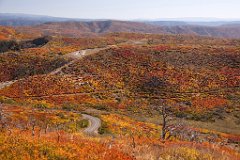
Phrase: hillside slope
[75,29]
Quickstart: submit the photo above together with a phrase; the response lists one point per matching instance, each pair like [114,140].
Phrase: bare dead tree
[133,140]
[165,111]
[45,122]
[46,125]
[32,122]
[59,128]
[3,118]
[165,115]
[171,126]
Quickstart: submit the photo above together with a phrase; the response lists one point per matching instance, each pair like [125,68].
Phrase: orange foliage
[208,103]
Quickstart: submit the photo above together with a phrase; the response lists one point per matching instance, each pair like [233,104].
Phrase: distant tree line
[8,45]
[15,46]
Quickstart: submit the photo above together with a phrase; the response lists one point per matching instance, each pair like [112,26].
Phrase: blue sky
[125,9]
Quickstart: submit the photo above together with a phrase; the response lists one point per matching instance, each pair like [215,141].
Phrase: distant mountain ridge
[12,19]
[196,23]
[76,29]
[46,25]
[17,19]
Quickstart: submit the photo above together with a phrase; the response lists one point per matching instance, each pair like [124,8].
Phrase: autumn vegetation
[158,96]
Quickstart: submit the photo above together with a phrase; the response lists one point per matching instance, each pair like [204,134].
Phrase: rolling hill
[75,29]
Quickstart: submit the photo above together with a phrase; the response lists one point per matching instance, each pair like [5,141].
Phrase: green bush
[61,115]
[7,100]
[103,129]
[97,106]
[204,117]
[41,105]
[181,115]
[101,107]
[82,123]
[69,106]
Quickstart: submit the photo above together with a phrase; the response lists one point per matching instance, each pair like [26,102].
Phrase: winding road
[6,84]
[74,55]
[94,124]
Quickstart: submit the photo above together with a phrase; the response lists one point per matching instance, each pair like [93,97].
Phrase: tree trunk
[58,137]
[133,142]
[163,133]
[39,134]
[164,127]
[45,129]
[33,130]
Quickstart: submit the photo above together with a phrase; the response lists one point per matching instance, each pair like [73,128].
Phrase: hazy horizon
[196,19]
[126,9]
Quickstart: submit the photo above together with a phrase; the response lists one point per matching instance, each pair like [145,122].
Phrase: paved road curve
[74,55]
[95,124]
[6,84]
